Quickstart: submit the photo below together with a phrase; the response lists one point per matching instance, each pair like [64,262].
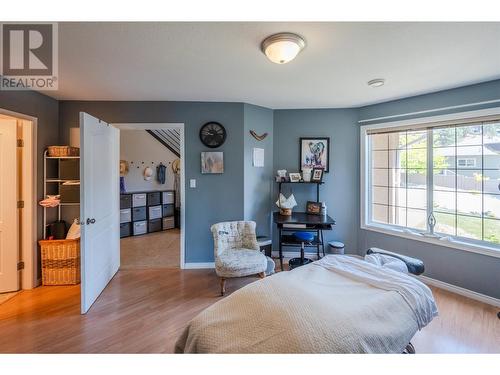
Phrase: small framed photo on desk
[313,208]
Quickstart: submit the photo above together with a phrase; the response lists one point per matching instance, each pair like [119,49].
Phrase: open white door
[9,234]
[99,212]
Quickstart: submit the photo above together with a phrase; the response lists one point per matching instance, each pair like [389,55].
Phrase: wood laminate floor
[144,311]
[152,250]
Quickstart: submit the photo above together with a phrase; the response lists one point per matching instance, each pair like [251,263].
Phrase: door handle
[90,221]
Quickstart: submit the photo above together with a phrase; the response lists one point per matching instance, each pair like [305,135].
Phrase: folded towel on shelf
[50,201]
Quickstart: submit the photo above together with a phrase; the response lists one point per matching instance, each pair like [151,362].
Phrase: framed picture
[294,177]
[212,162]
[313,208]
[317,175]
[315,153]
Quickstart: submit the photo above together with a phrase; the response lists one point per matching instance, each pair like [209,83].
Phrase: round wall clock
[213,134]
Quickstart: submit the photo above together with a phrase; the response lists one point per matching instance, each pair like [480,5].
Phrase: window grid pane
[399,168]
[465,179]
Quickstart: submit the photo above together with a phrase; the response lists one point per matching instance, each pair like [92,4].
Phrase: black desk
[307,223]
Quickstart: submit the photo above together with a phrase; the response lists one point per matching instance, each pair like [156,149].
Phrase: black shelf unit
[301,183]
[310,222]
[153,199]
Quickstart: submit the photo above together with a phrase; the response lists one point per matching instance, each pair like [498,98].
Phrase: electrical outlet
[192,183]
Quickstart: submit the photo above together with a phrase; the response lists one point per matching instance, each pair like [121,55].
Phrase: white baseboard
[461,291]
[194,266]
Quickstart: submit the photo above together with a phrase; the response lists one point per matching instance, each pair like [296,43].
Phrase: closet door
[100,206]
[9,235]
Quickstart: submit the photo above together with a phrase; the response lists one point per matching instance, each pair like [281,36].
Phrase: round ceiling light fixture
[282,47]
[376,82]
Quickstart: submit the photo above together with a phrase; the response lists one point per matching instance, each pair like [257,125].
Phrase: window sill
[438,241]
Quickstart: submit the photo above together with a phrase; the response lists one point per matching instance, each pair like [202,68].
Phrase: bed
[339,304]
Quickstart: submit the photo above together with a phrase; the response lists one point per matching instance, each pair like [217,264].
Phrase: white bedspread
[312,309]
[416,294]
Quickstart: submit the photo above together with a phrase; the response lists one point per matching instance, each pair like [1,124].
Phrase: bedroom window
[438,180]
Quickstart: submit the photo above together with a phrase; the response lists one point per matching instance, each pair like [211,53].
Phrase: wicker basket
[61,151]
[60,262]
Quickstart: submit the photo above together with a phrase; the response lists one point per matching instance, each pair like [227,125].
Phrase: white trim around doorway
[164,126]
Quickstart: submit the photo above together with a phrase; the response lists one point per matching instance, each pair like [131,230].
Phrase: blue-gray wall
[258,183]
[341,188]
[217,197]
[472,271]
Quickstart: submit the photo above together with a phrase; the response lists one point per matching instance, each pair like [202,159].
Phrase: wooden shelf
[62,157]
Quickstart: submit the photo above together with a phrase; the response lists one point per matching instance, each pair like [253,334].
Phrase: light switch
[192,183]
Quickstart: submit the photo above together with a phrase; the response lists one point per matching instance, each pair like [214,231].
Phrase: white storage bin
[154,212]
[140,227]
[167,197]
[138,200]
[168,223]
[125,215]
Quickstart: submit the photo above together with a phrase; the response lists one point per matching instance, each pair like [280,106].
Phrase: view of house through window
[451,172]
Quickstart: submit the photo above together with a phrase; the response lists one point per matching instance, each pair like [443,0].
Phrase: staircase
[170,138]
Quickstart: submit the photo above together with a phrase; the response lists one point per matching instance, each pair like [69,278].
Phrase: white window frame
[480,247]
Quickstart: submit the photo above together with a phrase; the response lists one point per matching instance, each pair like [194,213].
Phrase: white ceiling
[223,62]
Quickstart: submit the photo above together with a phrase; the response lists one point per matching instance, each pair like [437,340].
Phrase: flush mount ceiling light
[283,47]
[376,82]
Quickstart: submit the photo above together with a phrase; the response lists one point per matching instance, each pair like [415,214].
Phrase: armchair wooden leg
[222,286]
[262,275]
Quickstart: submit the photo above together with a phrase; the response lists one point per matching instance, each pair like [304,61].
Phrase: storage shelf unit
[49,182]
[144,212]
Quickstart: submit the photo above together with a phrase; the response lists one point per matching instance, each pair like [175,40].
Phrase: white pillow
[74,231]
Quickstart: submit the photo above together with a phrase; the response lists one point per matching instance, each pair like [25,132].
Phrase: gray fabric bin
[154,225]
[125,201]
[138,200]
[154,212]
[168,210]
[140,227]
[124,230]
[154,198]
[139,213]
[125,216]
[168,223]
[167,197]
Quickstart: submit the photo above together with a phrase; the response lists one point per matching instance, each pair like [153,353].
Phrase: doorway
[17,203]
[150,196]
[100,202]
